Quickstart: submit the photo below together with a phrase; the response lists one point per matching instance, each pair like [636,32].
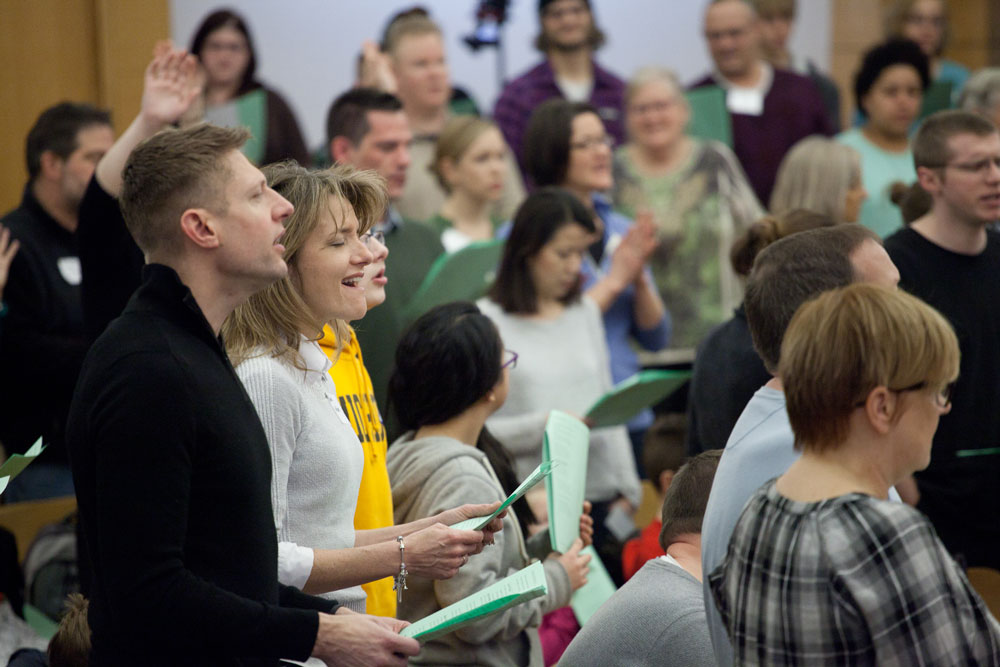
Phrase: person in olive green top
[698,195]
[469,165]
[368,129]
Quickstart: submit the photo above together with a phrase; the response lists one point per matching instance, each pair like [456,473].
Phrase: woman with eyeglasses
[926,23]
[537,303]
[566,145]
[233,95]
[698,195]
[822,569]
[448,456]
[316,457]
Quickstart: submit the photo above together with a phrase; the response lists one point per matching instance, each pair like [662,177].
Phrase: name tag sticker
[745,101]
[332,398]
[69,269]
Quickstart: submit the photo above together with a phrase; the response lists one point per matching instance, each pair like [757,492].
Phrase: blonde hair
[816,175]
[70,646]
[409,25]
[456,137]
[274,318]
[848,341]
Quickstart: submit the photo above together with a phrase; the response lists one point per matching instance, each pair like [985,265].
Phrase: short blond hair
[170,172]
[273,319]
[410,25]
[458,134]
[816,175]
[848,341]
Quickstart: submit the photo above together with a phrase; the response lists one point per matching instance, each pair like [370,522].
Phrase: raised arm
[170,86]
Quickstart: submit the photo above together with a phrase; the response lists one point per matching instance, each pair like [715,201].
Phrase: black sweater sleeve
[110,260]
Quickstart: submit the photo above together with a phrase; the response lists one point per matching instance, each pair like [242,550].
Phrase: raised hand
[375,70]
[171,85]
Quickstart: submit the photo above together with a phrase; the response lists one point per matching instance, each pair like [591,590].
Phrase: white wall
[306,49]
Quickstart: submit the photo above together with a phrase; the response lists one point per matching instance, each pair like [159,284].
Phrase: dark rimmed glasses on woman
[511,361]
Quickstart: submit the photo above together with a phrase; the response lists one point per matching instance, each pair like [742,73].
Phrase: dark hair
[684,504]
[595,37]
[461,347]
[56,129]
[790,272]
[913,201]
[663,446]
[884,56]
[348,115]
[227,18]
[769,229]
[545,146]
[537,220]
[930,143]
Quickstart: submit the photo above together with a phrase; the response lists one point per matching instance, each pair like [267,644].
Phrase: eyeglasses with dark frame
[942,398]
[980,167]
[510,363]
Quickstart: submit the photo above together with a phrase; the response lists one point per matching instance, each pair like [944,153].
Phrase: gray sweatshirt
[435,474]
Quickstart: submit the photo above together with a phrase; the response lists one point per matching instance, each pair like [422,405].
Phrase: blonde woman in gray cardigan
[446,457]
[315,454]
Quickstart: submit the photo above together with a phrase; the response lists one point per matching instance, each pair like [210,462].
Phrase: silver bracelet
[399,581]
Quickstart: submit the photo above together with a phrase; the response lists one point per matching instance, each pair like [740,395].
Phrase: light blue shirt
[879,170]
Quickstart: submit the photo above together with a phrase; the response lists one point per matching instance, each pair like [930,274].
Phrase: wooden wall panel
[48,51]
[79,50]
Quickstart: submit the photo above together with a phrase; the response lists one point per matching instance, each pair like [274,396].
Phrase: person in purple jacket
[568,39]
[770,108]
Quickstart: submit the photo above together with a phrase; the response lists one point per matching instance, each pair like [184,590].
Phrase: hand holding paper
[479,523]
[437,552]
[576,564]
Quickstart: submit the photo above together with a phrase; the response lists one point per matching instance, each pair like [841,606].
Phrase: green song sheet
[519,587]
[599,587]
[13,466]
[633,395]
[709,115]
[464,275]
[566,444]
[480,522]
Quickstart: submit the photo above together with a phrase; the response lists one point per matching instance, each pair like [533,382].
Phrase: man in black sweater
[43,343]
[950,259]
[171,464]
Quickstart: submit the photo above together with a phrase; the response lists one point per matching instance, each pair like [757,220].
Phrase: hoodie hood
[411,463]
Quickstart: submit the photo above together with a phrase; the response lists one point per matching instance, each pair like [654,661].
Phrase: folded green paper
[599,587]
[480,522]
[518,588]
[13,466]
[633,395]
[464,275]
[566,445]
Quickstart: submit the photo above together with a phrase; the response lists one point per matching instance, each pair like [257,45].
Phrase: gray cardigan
[434,474]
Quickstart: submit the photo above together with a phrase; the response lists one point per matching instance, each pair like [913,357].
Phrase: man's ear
[880,408]
[341,150]
[929,179]
[199,226]
[51,166]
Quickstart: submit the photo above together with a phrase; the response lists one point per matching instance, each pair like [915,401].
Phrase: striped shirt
[847,580]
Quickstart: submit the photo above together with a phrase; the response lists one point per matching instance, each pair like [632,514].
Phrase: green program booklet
[480,522]
[566,445]
[633,395]
[709,115]
[13,466]
[464,275]
[588,599]
[519,587]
